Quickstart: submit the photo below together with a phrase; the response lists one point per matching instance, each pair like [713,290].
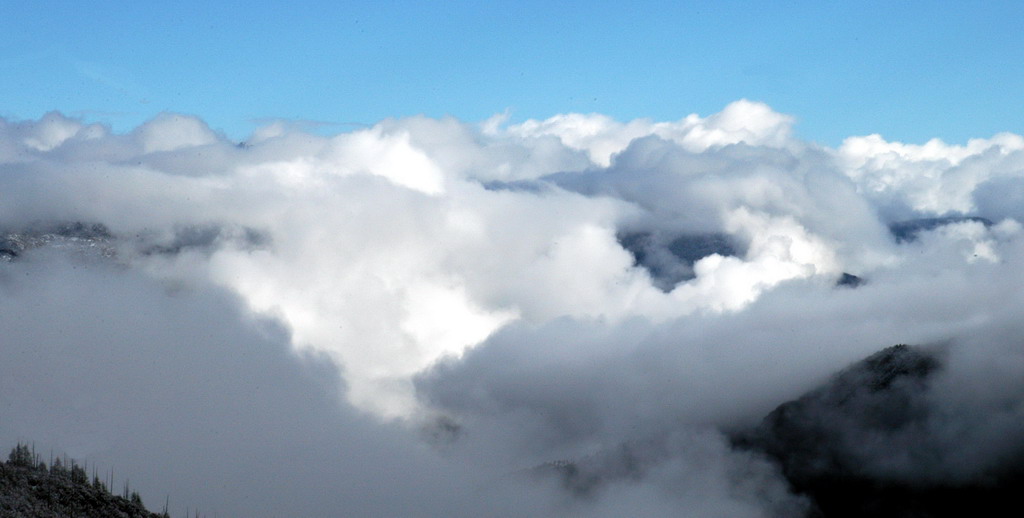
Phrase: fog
[411,319]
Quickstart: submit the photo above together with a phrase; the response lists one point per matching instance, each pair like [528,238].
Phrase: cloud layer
[449,303]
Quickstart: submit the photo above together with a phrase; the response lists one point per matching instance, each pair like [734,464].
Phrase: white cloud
[934,178]
[602,137]
[169,132]
[479,274]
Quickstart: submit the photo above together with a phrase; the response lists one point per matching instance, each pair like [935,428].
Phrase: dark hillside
[30,489]
[858,446]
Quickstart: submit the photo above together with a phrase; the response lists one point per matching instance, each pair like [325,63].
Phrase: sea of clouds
[407,319]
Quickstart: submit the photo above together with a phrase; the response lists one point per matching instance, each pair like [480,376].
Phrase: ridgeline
[31,489]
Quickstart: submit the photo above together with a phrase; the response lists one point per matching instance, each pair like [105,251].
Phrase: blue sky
[907,70]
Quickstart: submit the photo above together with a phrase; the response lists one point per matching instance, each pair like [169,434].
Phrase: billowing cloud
[456,304]
[602,137]
[933,179]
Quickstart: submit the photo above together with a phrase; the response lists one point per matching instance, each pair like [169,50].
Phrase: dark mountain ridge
[862,445]
[31,489]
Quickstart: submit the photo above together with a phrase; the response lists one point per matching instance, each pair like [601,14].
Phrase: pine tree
[57,467]
[78,474]
[22,456]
